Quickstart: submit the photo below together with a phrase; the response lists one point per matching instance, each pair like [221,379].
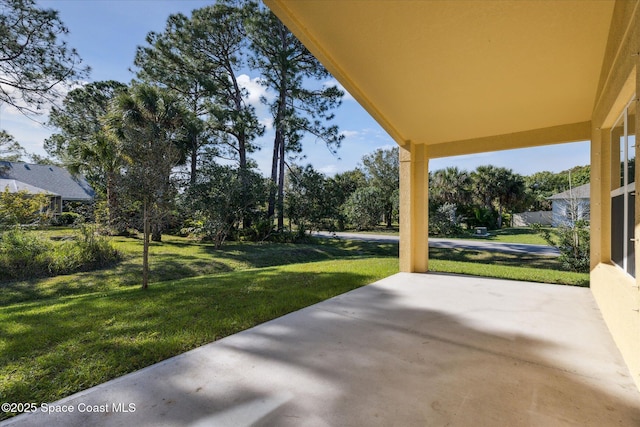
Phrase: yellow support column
[600,196]
[414,208]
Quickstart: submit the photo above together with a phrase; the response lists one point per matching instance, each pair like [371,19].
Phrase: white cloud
[329,170]
[256,91]
[349,133]
[267,122]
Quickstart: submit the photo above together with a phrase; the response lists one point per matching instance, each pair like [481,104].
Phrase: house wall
[561,211]
[616,293]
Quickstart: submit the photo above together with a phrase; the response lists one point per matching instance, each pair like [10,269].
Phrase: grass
[54,347]
[526,267]
[64,334]
[515,235]
[177,257]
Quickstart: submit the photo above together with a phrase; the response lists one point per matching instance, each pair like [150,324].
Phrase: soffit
[438,71]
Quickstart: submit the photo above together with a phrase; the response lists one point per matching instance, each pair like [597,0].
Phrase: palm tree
[150,124]
[450,185]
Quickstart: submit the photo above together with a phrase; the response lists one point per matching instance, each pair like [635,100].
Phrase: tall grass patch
[28,254]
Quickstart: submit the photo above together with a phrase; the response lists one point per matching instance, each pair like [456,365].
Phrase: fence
[525,219]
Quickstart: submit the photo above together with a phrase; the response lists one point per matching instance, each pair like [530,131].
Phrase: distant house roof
[44,178]
[16,186]
[581,192]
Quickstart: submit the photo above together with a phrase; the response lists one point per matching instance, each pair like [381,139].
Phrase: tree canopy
[35,62]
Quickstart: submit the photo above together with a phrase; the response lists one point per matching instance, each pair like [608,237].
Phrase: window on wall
[623,193]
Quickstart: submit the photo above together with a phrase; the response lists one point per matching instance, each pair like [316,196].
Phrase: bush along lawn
[31,254]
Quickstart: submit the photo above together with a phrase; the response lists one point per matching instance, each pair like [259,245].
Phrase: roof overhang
[15,186]
[441,72]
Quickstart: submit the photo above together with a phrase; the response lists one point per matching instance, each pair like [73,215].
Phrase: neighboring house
[571,205]
[61,185]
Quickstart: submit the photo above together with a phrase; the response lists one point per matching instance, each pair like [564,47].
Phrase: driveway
[409,350]
[478,245]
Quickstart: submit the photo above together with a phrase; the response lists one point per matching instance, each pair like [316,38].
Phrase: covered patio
[447,78]
[409,350]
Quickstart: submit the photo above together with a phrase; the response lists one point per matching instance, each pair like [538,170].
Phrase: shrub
[28,255]
[23,254]
[67,218]
[573,242]
[444,221]
[364,208]
[23,208]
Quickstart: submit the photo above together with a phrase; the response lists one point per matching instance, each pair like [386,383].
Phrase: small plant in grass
[445,221]
[572,240]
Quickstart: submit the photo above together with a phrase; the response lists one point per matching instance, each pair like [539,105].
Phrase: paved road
[480,245]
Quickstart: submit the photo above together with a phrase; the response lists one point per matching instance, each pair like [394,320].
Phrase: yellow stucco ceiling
[439,71]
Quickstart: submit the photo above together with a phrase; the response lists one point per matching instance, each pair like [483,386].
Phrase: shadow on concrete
[410,350]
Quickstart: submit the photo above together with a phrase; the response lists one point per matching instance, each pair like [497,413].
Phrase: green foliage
[27,254]
[573,242]
[200,59]
[450,185]
[23,254]
[382,170]
[308,202]
[220,199]
[498,188]
[10,149]
[22,208]
[34,61]
[150,124]
[67,218]
[445,221]
[365,207]
[542,185]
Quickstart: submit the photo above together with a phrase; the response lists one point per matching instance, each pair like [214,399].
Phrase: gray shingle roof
[52,179]
[581,192]
[16,186]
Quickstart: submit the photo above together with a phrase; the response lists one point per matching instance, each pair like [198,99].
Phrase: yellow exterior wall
[414,208]
[616,293]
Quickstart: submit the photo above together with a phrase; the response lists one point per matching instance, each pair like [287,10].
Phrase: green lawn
[514,235]
[64,334]
[54,347]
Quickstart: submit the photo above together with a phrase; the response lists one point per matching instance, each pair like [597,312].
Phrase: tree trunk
[112,202]
[281,188]
[274,175]
[194,161]
[145,247]
[156,231]
[242,145]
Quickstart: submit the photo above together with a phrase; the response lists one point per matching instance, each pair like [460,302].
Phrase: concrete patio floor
[409,350]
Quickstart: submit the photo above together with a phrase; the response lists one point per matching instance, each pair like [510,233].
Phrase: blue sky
[107,32]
